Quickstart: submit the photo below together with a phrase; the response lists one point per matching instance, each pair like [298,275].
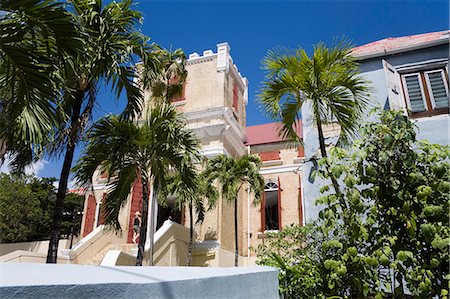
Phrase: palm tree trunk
[144,220]
[64,178]
[323,152]
[236,254]
[191,233]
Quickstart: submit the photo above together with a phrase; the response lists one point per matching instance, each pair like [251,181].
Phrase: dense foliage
[388,230]
[26,208]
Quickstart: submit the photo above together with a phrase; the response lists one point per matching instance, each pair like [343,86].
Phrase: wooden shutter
[280,224]
[437,88]
[263,212]
[415,94]
[300,202]
[89,217]
[101,216]
[235,97]
[394,88]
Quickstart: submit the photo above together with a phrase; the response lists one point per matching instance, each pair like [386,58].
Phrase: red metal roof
[398,43]
[79,191]
[268,133]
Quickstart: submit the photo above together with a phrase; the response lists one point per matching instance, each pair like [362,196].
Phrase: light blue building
[406,73]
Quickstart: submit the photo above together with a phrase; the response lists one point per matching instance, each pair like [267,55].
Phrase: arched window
[270,214]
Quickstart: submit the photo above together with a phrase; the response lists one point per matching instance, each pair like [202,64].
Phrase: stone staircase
[127,248]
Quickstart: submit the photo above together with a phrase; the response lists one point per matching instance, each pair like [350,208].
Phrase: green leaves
[130,151]
[328,80]
[394,198]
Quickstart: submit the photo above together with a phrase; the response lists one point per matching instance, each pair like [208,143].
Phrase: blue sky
[253,27]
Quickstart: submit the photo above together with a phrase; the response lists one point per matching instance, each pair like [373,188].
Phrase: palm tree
[191,188]
[112,43]
[129,151]
[231,175]
[36,35]
[328,80]
[167,83]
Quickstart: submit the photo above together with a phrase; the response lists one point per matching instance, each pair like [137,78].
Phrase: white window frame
[430,91]
[272,188]
[408,103]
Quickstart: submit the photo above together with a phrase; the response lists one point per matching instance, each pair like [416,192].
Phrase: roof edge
[424,45]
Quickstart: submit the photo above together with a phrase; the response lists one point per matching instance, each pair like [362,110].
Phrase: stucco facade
[214,103]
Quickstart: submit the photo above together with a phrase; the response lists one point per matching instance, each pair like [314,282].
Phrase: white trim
[201,59]
[279,169]
[408,103]
[417,66]
[213,152]
[272,163]
[430,90]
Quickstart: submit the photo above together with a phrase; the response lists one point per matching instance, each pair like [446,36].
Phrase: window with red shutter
[182,96]
[269,156]
[301,152]
[235,97]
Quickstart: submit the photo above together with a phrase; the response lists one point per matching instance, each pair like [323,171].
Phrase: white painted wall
[77,281]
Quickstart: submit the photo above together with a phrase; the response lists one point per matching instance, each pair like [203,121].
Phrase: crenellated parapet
[224,64]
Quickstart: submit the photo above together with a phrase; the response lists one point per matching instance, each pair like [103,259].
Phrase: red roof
[79,191]
[268,133]
[392,44]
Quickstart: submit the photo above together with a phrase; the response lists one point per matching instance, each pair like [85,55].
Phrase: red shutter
[263,212]
[89,217]
[101,216]
[280,225]
[300,202]
[235,97]
[301,152]
[269,156]
[181,97]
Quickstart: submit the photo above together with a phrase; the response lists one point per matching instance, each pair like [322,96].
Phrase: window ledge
[262,235]
[299,160]
[426,118]
[179,102]
[272,162]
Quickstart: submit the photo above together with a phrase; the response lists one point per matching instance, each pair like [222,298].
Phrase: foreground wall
[76,281]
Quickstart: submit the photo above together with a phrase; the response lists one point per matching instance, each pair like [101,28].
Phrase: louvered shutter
[263,212]
[300,202]
[280,224]
[414,92]
[394,89]
[438,89]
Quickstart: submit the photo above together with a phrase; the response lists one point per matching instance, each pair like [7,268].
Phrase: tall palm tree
[192,188]
[129,151]
[328,80]
[112,44]
[231,175]
[35,36]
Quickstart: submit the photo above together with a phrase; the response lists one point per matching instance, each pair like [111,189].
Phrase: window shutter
[263,212]
[101,216]
[395,95]
[280,225]
[300,202]
[235,97]
[415,94]
[438,89]
[89,217]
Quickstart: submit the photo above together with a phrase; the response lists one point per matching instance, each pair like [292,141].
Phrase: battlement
[224,62]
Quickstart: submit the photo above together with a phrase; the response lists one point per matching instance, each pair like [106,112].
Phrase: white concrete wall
[76,281]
